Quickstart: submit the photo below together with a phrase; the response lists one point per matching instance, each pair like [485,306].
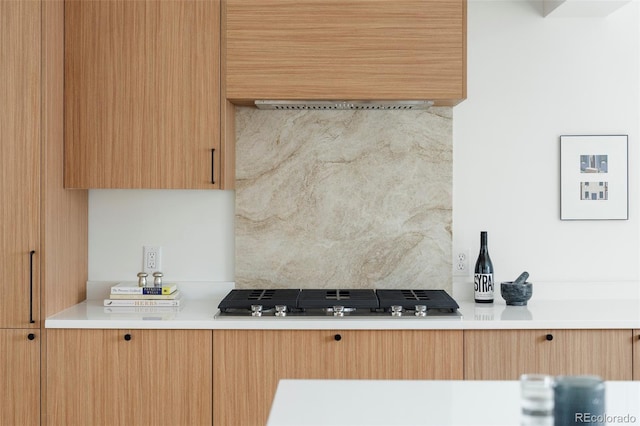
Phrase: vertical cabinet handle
[213,176]
[31,253]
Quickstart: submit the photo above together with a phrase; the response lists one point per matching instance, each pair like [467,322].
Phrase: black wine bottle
[483,273]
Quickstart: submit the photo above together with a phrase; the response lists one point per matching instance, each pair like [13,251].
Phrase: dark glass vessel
[483,273]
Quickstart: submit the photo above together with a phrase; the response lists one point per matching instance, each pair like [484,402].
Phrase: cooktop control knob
[396,311]
[338,311]
[256,310]
[421,310]
[281,310]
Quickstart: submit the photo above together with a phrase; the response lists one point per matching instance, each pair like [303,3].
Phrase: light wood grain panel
[228,143]
[606,353]
[636,354]
[20,378]
[169,376]
[249,363]
[157,377]
[506,354]
[64,212]
[398,355]
[86,376]
[141,93]
[332,49]
[20,83]
[227,122]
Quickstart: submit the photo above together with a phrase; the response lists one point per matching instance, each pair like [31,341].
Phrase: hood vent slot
[343,105]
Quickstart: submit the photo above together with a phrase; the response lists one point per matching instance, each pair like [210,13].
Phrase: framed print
[594,177]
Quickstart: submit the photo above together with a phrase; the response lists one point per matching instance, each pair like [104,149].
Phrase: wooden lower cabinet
[506,354]
[636,354]
[128,377]
[20,377]
[249,363]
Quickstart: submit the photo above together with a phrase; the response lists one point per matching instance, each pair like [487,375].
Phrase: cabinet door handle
[337,337]
[127,337]
[549,337]
[213,176]
[31,336]
[31,253]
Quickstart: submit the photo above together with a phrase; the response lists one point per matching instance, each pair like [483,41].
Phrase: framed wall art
[594,177]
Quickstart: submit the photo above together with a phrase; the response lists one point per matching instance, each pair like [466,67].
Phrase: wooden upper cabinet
[142,94]
[336,49]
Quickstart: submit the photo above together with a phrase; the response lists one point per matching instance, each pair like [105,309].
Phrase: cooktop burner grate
[269,298]
[353,298]
[338,302]
[432,299]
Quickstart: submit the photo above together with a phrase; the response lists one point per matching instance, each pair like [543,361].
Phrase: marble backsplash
[343,199]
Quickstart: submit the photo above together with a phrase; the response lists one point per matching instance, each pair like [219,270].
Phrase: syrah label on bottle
[483,286]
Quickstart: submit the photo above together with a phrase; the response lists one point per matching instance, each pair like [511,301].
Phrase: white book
[142,309]
[142,302]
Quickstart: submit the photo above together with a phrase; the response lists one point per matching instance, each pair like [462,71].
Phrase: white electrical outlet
[151,259]
[461,263]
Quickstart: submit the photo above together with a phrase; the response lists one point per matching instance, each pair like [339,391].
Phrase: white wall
[194,229]
[530,79]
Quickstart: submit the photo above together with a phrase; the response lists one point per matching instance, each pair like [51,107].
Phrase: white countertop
[200,307]
[419,402]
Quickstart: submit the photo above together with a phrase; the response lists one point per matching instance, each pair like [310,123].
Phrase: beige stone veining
[343,199]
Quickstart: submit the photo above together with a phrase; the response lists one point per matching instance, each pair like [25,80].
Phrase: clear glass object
[537,399]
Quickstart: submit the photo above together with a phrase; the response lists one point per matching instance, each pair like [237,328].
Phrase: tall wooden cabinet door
[85,377]
[336,49]
[636,354]
[168,378]
[401,354]
[20,83]
[142,107]
[20,377]
[506,354]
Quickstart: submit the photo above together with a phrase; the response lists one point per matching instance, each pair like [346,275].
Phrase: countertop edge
[201,301]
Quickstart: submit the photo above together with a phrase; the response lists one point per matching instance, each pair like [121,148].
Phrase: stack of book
[130,295]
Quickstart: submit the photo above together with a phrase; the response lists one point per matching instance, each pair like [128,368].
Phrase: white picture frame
[594,182]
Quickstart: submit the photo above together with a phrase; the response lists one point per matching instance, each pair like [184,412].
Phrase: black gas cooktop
[338,303]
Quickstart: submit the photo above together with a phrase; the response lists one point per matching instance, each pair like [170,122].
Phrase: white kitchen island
[421,402]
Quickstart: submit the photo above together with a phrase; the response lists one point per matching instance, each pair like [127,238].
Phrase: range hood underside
[342,105]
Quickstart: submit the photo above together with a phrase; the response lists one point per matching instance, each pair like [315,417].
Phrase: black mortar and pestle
[518,292]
